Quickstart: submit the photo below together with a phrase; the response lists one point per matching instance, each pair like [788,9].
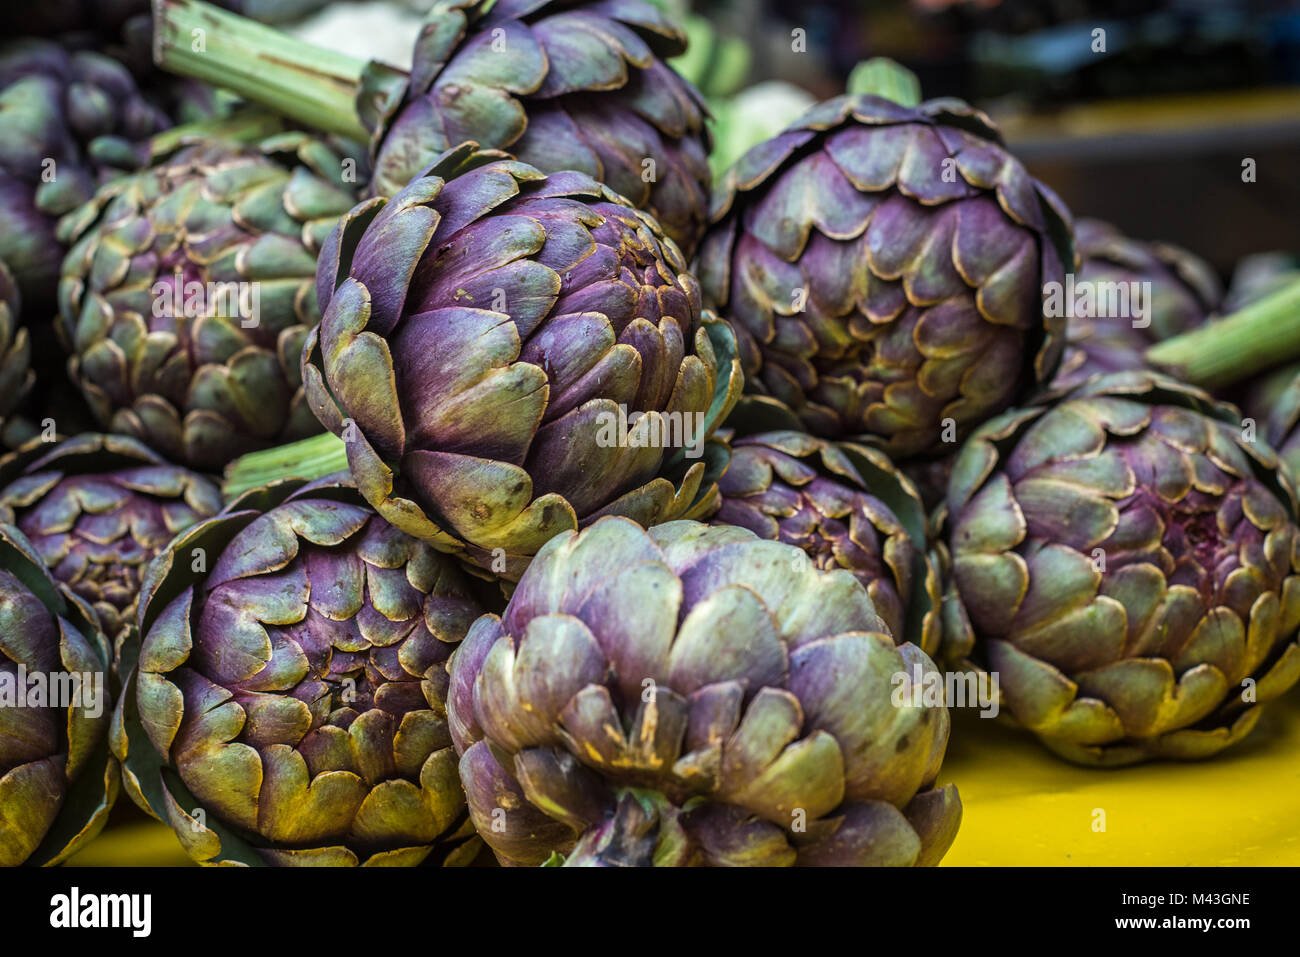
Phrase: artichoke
[563,84]
[846,506]
[747,714]
[1184,292]
[16,374]
[53,104]
[97,509]
[288,704]
[883,267]
[188,292]
[508,355]
[1128,563]
[58,781]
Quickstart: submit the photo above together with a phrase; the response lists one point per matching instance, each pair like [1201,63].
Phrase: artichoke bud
[1128,563]
[288,703]
[883,267]
[188,292]
[713,727]
[97,509]
[509,354]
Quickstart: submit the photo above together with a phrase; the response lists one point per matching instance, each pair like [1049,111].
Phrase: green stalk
[308,459]
[883,77]
[315,86]
[1264,334]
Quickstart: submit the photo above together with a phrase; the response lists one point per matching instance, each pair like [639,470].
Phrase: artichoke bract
[288,703]
[884,266]
[1127,561]
[16,373]
[188,292]
[508,354]
[846,506]
[98,508]
[58,781]
[1178,290]
[53,105]
[563,85]
[1275,404]
[684,696]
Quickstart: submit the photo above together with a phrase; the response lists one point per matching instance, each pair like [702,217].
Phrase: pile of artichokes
[438,467]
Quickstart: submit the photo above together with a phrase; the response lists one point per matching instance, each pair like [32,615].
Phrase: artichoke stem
[309,459]
[315,86]
[1259,336]
[883,77]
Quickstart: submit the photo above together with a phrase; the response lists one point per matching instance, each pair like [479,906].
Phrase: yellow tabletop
[1022,806]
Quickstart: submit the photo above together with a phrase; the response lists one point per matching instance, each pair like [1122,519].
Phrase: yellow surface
[1022,806]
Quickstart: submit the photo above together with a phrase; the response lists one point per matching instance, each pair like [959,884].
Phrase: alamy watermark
[73,910]
[176,298]
[1086,299]
[65,690]
[952,689]
[660,430]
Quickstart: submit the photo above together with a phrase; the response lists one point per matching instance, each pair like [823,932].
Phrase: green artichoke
[1128,563]
[16,373]
[53,105]
[97,509]
[753,711]
[57,779]
[188,292]
[846,506]
[508,355]
[883,266]
[1184,292]
[288,704]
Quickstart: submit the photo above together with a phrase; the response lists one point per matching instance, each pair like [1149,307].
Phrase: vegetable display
[627,433]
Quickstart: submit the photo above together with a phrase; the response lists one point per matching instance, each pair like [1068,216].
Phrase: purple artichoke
[747,714]
[883,267]
[563,85]
[508,355]
[1128,563]
[288,704]
[846,506]
[53,104]
[1184,292]
[97,509]
[188,292]
[57,779]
